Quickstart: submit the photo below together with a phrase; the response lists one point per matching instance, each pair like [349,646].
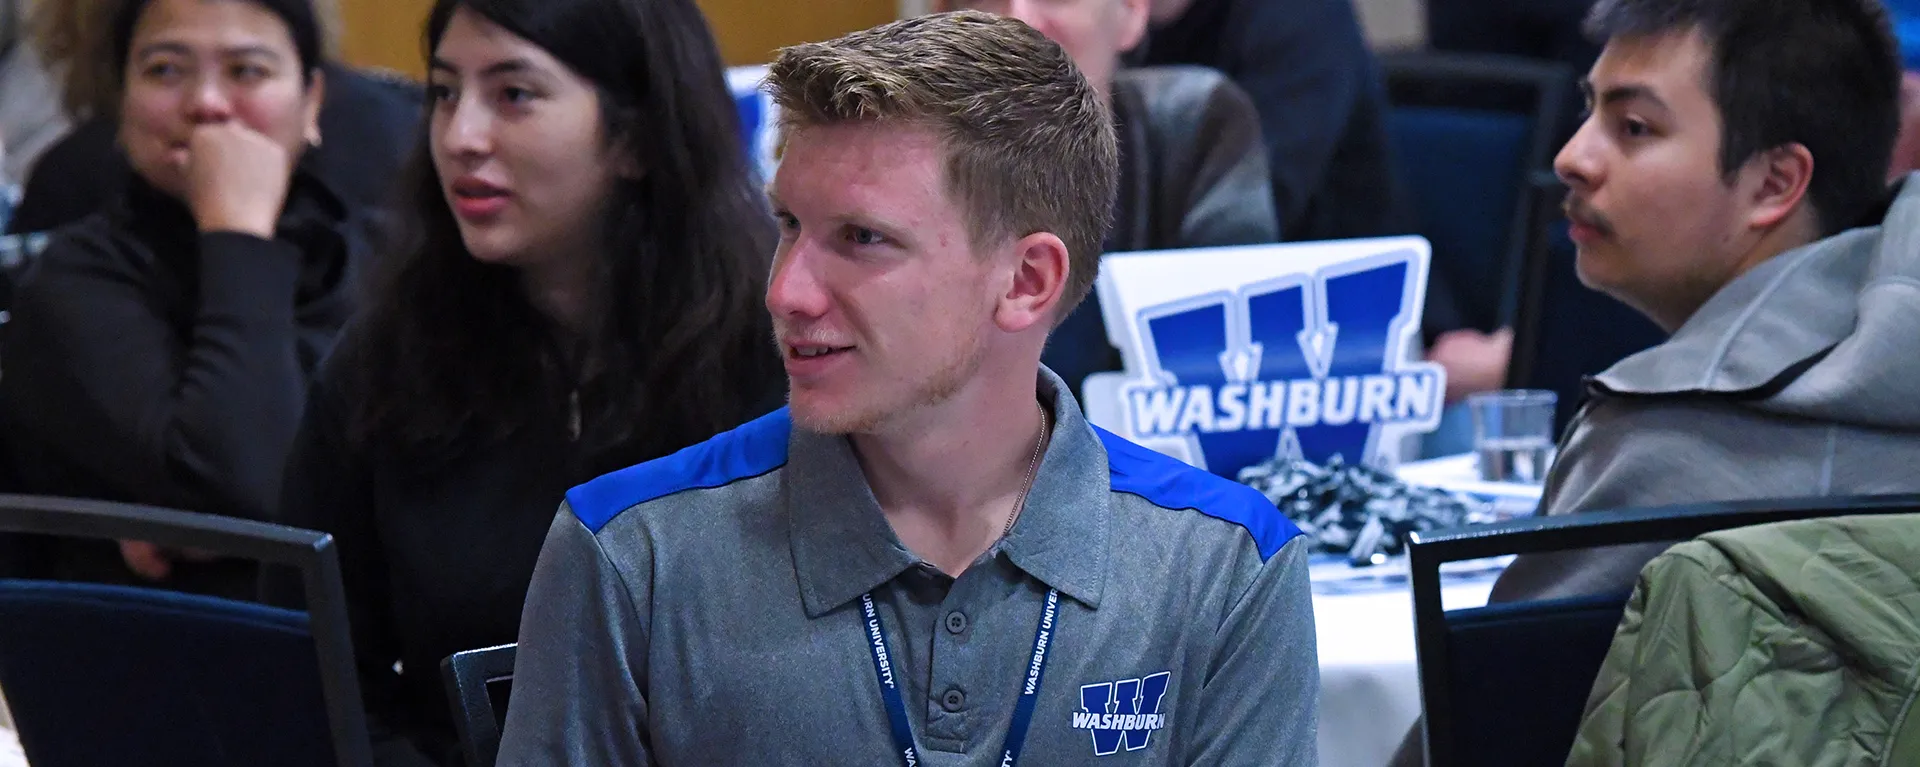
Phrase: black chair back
[113,675]
[1468,129]
[479,683]
[1507,684]
[1546,229]
[1558,645]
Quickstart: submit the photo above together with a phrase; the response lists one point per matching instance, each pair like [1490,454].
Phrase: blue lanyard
[897,708]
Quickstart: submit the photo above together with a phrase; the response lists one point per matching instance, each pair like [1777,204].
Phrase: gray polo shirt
[706,608]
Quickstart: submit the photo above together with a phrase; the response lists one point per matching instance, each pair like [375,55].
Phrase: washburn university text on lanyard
[896,706]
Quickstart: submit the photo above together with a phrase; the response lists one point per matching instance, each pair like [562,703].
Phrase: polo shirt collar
[843,547]
[1061,537]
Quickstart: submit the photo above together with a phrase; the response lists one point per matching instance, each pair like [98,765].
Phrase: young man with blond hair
[929,555]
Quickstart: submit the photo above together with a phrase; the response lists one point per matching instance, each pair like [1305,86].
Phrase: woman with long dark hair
[579,289]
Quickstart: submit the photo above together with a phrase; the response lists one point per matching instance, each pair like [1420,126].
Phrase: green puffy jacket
[1790,644]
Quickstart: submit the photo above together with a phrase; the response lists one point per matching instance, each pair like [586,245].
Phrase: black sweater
[435,560]
[149,363]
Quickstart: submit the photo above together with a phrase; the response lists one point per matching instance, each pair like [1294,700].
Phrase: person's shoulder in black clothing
[145,357]
[97,245]
[72,179]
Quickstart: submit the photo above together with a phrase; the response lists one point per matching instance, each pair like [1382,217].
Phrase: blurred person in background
[1321,101]
[1193,169]
[161,352]
[30,115]
[73,37]
[367,121]
[577,288]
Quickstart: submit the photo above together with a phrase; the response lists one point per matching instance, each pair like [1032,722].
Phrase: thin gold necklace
[1033,464]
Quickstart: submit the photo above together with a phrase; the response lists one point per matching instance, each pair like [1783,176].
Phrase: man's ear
[1039,283]
[1780,179]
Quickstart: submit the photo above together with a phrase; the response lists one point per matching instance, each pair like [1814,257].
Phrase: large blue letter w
[1314,344]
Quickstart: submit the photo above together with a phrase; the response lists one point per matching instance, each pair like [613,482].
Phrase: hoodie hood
[1829,331]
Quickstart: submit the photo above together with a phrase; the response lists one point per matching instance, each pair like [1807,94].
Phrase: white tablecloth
[10,753]
[1369,680]
[1369,676]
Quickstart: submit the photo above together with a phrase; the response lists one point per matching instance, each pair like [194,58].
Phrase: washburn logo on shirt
[1123,713]
[1301,366]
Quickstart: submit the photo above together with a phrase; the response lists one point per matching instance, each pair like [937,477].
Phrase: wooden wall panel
[386,33]
[750,30]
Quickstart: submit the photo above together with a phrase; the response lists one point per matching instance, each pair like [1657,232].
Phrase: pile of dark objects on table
[1359,511]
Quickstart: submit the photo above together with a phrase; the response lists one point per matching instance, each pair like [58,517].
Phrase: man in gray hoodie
[1730,184]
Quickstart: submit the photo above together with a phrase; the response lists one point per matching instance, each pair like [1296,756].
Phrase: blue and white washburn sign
[1236,355]
[759,117]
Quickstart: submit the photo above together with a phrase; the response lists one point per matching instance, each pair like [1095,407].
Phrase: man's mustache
[1580,212]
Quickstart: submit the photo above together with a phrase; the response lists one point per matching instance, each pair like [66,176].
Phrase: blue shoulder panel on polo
[755,448]
[1170,484]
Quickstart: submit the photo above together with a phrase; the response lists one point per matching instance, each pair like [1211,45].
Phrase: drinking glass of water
[1513,433]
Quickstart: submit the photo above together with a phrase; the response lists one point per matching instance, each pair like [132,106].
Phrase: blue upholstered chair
[759,118]
[1467,130]
[101,675]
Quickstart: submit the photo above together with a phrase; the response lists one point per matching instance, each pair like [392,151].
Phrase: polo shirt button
[953,700]
[956,622]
